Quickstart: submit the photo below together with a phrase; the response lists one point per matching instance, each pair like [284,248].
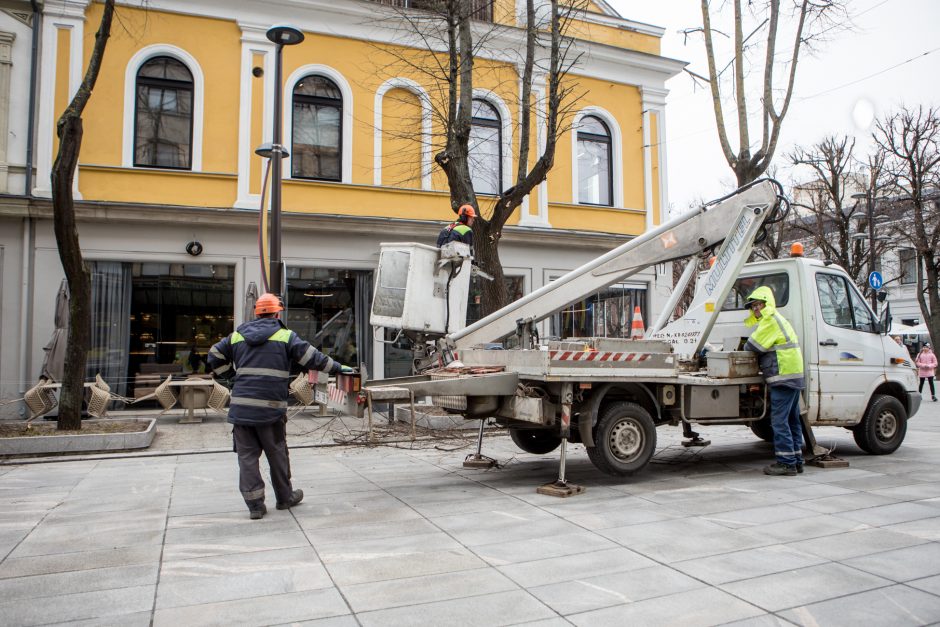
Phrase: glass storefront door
[329,308]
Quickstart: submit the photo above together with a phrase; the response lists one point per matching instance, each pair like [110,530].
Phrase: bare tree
[69,130]
[910,139]
[450,39]
[766,21]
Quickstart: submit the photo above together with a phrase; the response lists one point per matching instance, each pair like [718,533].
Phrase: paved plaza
[401,534]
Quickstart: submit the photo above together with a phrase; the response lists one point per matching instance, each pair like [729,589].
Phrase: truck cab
[852,366]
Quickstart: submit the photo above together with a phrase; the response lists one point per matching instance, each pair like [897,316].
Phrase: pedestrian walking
[781,363]
[926,369]
[259,355]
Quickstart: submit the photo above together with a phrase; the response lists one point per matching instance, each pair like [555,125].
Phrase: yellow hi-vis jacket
[775,343]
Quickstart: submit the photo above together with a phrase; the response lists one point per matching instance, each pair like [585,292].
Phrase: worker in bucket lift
[781,363]
[260,354]
[461,230]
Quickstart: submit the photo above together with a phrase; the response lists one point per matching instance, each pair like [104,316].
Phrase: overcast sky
[887,33]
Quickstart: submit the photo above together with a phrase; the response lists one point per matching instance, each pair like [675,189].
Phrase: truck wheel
[883,427]
[624,439]
[535,441]
[763,429]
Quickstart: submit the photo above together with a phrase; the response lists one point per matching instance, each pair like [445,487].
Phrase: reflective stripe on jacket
[261,353]
[775,342]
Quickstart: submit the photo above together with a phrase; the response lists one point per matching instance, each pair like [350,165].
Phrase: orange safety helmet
[466,210]
[268,304]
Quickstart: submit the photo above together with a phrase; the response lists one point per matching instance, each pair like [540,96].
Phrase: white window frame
[130,99]
[411,86]
[288,116]
[505,124]
[616,155]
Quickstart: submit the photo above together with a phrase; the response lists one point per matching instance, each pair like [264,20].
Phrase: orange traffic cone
[637,330]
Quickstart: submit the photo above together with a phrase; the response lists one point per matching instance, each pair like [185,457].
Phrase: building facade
[168,187]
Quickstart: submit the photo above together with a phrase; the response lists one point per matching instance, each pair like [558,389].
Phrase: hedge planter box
[82,442]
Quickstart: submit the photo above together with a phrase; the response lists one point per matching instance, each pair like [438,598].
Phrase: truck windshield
[778,282]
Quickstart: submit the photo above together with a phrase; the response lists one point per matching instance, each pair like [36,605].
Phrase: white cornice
[66,8]
[619,22]
[370,21]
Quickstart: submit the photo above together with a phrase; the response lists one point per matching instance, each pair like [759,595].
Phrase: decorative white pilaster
[6,67]
[654,101]
[540,219]
[254,42]
[57,15]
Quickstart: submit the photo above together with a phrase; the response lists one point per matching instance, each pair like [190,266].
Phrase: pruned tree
[910,140]
[764,101]
[69,131]
[447,42]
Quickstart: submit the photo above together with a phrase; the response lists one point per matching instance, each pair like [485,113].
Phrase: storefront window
[605,314]
[329,308]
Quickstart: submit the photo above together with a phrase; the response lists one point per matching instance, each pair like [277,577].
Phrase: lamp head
[285,35]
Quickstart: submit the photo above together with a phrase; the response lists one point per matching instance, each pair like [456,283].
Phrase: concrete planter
[81,443]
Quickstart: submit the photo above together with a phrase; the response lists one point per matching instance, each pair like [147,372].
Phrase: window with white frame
[595,173]
[163,118]
[485,148]
[317,133]
[908,262]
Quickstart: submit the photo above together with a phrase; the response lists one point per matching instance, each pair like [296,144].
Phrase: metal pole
[870,209]
[276,154]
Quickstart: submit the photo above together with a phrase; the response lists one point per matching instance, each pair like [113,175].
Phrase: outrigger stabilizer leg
[692,438]
[478,460]
[561,488]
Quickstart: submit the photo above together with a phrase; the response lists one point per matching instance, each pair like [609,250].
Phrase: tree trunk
[76,273]
[486,248]
[69,131]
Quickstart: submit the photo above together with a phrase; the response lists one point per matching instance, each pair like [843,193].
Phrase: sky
[855,78]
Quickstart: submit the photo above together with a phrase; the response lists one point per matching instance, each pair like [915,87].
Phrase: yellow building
[186,94]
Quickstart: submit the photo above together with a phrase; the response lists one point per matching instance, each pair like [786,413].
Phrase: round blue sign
[875,280]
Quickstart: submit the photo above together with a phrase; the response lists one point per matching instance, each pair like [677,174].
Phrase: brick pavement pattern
[399,536]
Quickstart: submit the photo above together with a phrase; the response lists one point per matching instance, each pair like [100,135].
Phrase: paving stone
[925,528]
[912,492]
[591,593]
[901,565]
[501,608]
[845,502]
[803,586]
[890,514]
[572,567]
[55,584]
[502,553]
[804,528]
[371,531]
[677,540]
[338,621]
[364,597]
[746,564]
[895,605]
[927,584]
[856,543]
[284,608]
[706,606]
[621,517]
[232,577]
[137,619]
[73,607]
[90,541]
[755,516]
[382,568]
[225,545]
[766,620]
[368,547]
[79,561]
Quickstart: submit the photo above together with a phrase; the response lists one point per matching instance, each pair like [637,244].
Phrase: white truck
[611,393]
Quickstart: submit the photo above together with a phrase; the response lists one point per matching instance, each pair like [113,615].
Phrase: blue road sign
[875,280]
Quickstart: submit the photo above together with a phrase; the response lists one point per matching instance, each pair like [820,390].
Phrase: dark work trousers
[933,392]
[249,443]
[785,419]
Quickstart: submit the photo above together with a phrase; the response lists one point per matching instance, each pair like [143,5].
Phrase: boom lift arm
[748,209]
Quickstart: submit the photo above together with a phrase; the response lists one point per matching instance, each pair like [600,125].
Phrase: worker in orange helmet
[260,354]
[461,230]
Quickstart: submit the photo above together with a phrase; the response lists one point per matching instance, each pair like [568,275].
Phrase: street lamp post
[281,36]
[870,218]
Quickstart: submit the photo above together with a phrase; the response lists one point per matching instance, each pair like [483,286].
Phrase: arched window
[595,177]
[163,120]
[317,130]
[486,157]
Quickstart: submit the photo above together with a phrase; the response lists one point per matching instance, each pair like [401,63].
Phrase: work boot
[257,512]
[779,470]
[296,497]
[799,468]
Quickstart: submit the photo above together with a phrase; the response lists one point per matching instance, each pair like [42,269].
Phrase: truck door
[851,353]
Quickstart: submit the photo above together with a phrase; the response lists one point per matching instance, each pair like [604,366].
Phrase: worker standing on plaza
[260,354]
[461,230]
[781,363]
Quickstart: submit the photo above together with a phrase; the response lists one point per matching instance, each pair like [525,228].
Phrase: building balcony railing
[480,9]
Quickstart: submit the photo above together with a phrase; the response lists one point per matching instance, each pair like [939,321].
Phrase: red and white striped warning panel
[597,356]
[336,394]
